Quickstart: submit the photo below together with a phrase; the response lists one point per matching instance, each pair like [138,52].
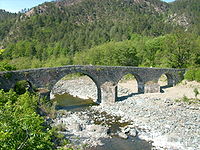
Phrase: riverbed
[160,122]
[95,130]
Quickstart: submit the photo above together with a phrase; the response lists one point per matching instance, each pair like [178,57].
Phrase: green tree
[181,49]
[20,126]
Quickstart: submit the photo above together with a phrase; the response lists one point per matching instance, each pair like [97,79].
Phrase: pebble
[122,135]
[133,132]
[169,124]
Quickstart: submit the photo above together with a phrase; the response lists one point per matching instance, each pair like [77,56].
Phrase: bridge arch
[169,80]
[129,79]
[93,80]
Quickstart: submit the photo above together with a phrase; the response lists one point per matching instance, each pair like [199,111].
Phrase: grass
[185,99]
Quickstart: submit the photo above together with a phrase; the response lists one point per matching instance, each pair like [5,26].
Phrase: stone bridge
[106,78]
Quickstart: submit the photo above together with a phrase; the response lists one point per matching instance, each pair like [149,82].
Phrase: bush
[193,74]
[21,127]
[4,66]
[21,87]
[185,99]
[190,75]
[197,75]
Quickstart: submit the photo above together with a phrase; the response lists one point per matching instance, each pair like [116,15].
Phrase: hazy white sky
[18,5]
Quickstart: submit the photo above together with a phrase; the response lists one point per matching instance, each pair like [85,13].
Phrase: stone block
[152,88]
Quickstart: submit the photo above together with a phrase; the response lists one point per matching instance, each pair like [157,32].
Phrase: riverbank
[157,117]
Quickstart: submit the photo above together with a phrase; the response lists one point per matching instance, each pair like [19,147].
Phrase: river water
[68,103]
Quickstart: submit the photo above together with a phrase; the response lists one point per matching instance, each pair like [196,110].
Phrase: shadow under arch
[135,80]
[168,83]
[98,100]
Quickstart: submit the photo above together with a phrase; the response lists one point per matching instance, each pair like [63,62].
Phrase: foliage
[182,49]
[6,22]
[21,87]
[188,100]
[190,9]
[112,53]
[162,51]
[64,29]
[21,127]
[111,32]
[25,63]
[193,74]
[190,75]
[197,75]
[5,66]
[1,51]
[185,99]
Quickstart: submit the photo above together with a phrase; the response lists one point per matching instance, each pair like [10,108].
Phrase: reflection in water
[68,102]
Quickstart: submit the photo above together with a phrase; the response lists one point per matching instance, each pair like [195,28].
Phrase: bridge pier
[141,86]
[151,87]
[108,92]
[170,82]
[98,95]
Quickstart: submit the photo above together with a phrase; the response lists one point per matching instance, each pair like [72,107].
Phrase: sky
[18,5]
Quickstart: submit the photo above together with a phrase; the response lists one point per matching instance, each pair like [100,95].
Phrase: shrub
[21,127]
[197,75]
[4,66]
[193,74]
[21,87]
[185,99]
[190,75]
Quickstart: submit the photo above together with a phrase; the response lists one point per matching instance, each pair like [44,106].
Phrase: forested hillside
[59,33]
[7,20]
[73,27]
[191,10]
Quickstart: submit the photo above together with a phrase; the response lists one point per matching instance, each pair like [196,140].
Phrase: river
[73,105]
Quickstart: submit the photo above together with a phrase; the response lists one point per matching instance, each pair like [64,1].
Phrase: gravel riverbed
[168,124]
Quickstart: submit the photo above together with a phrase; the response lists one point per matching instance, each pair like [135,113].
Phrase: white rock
[122,135]
[75,126]
[133,132]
